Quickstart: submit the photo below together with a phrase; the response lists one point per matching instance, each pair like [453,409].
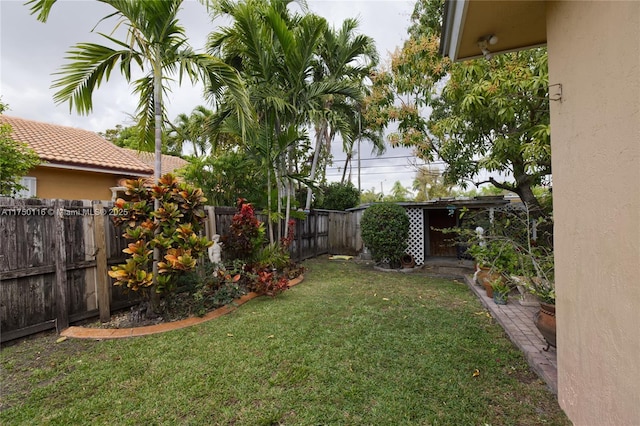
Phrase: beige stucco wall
[594,52]
[73,184]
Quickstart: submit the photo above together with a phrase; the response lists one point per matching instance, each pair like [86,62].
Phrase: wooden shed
[426,219]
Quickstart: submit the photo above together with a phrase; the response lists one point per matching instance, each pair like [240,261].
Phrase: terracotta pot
[407,261]
[545,321]
[488,288]
[481,274]
[488,278]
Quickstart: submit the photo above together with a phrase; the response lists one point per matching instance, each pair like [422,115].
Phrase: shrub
[338,196]
[385,229]
[246,235]
[172,229]
[202,290]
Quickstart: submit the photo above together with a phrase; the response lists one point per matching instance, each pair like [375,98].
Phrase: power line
[372,173]
[388,158]
[378,167]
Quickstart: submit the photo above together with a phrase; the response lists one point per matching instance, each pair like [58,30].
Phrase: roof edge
[454,14]
[129,172]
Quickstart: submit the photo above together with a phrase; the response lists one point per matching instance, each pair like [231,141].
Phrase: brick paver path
[517,321]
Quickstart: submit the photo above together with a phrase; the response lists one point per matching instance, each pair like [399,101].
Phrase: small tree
[338,196]
[16,159]
[385,229]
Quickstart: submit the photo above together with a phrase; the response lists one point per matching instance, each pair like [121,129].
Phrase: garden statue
[215,251]
[480,235]
[481,243]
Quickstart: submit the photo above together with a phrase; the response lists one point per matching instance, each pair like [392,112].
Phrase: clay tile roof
[170,163]
[74,147]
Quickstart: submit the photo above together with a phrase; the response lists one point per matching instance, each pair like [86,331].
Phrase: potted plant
[536,266]
[545,318]
[500,291]
[504,256]
[495,259]
[479,253]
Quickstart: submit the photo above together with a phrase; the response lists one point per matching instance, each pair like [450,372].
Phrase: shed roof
[483,201]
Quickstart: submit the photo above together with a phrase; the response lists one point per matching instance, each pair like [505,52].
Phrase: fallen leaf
[385,298]
[61,339]
[476,373]
[229,335]
[271,336]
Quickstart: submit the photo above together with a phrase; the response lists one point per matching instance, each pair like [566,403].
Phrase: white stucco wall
[594,52]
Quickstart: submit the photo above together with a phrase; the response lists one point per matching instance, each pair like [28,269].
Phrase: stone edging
[118,333]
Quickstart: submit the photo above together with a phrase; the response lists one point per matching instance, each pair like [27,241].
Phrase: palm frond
[91,63]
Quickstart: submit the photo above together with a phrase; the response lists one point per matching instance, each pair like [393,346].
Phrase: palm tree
[430,184]
[344,56]
[276,53]
[157,44]
[193,129]
[360,129]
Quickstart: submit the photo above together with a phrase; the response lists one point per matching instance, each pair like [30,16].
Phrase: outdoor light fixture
[485,42]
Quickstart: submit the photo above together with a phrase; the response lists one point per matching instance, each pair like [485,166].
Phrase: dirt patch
[33,362]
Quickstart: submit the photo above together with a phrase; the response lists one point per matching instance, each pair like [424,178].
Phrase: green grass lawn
[348,346]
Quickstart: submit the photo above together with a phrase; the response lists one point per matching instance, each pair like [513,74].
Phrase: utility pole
[359,182]
[359,138]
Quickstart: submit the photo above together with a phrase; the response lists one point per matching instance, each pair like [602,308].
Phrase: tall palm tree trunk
[314,163]
[347,163]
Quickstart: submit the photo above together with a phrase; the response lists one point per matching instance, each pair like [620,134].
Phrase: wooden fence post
[102,282]
[60,257]
[299,229]
[210,225]
[315,233]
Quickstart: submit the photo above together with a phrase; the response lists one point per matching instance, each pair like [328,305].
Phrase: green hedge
[385,229]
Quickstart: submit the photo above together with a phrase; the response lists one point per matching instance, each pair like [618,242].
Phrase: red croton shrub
[246,234]
[265,267]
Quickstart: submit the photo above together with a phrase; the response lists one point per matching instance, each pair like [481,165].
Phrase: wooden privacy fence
[55,254]
[54,257]
[321,232]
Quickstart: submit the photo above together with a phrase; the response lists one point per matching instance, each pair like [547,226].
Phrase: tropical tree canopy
[338,196]
[276,51]
[156,43]
[429,184]
[344,55]
[192,132]
[479,117]
[16,159]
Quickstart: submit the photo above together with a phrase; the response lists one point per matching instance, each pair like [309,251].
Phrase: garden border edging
[119,333]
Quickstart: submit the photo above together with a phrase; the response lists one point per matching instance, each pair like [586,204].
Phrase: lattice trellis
[415,242]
